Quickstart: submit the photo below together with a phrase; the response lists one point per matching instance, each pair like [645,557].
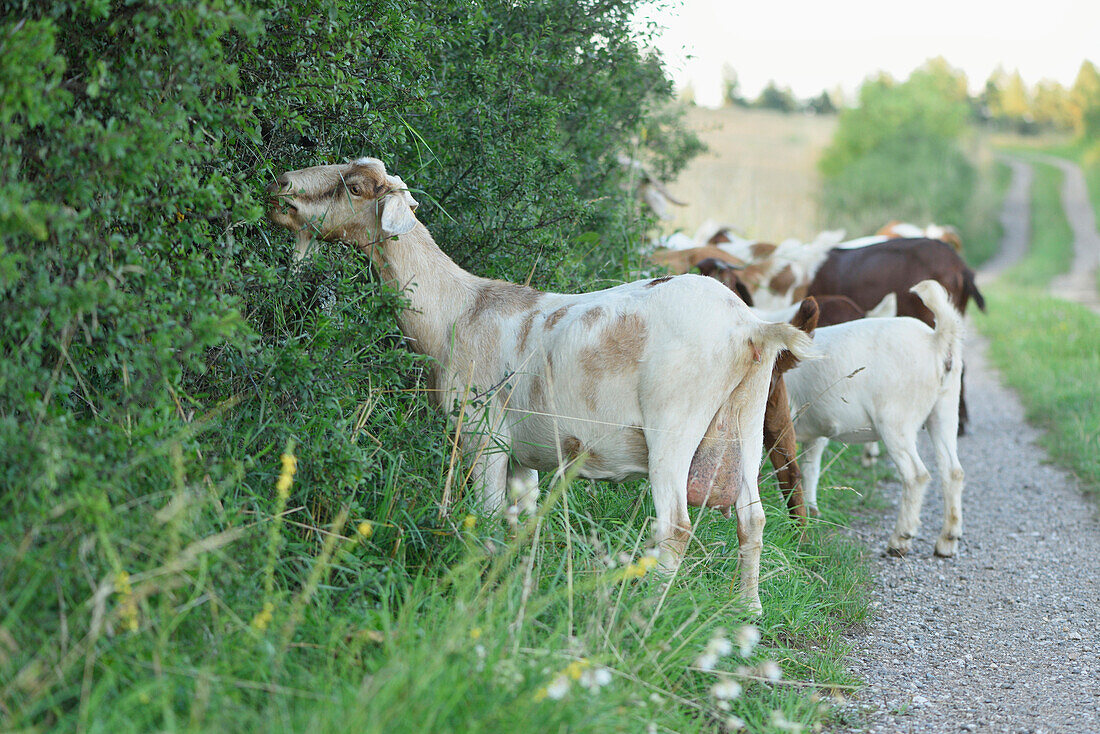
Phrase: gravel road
[1005,637]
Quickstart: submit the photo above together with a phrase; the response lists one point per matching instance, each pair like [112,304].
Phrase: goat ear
[808,314]
[397,215]
[397,208]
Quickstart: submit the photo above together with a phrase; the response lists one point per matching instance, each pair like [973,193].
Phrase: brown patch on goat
[658,281]
[782,281]
[503,298]
[618,349]
[571,447]
[536,396]
[554,318]
[591,316]
[525,330]
[752,275]
[761,250]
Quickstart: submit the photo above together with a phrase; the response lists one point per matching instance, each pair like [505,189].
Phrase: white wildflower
[524,492]
[770,669]
[479,650]
[725,689]
[747,637]
[718,647]
[595,678]
[735,723]
[706,661]
[657,698]
[779,721]
[558,688]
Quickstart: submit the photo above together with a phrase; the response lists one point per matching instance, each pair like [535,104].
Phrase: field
[759,173]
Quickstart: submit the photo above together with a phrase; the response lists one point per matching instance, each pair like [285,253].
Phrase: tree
[1051,105]
[774,98]
[822,104]
[731,88]
[1015,102]
[1085,100]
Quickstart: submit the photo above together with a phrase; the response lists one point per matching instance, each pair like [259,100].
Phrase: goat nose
[278,184]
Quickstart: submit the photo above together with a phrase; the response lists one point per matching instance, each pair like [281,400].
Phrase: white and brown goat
[664,377]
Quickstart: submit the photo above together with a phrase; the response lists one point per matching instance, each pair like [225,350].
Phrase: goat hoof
[812,511]
[945,548]
[898,550]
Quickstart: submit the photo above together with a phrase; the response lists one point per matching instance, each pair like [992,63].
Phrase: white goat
[884,379]
[627,381]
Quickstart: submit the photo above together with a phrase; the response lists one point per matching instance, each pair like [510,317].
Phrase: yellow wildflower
[366,529]
[263,617]
[575,669]
[469,522]
[286,477]
[290,464]
[127,607]
[475,633]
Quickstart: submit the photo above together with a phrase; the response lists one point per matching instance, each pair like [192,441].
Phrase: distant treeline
[1005,101]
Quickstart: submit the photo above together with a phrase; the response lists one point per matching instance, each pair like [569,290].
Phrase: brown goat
[837,310]
[867,274]
[779,438]
[725,274]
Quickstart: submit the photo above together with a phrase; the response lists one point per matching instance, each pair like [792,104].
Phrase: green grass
[220,615]
[1086,153]
[1051,249]
[1049,352]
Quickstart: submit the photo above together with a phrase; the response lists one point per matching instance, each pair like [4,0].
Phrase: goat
[778,436]
[942,232]
[650,189]
[884,379]
[834,310]
[867,274]
[726,274]
[681,261]
[666,377]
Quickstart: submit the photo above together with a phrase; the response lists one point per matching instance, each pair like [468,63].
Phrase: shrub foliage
[158,349]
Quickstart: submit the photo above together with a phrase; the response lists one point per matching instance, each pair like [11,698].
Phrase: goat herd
[676,377]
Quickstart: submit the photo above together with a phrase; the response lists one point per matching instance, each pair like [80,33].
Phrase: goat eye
[355,189]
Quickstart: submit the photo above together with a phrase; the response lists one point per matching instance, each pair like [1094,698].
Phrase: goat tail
[771,339]
[970,289]
[949,323]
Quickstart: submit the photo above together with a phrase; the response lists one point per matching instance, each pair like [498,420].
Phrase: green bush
[159,351]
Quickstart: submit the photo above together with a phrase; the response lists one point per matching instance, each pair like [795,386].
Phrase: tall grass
[1049,352]
[218,614]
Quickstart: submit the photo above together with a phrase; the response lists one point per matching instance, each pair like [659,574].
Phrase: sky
[815,45]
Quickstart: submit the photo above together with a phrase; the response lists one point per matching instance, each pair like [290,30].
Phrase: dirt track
[1005,637]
